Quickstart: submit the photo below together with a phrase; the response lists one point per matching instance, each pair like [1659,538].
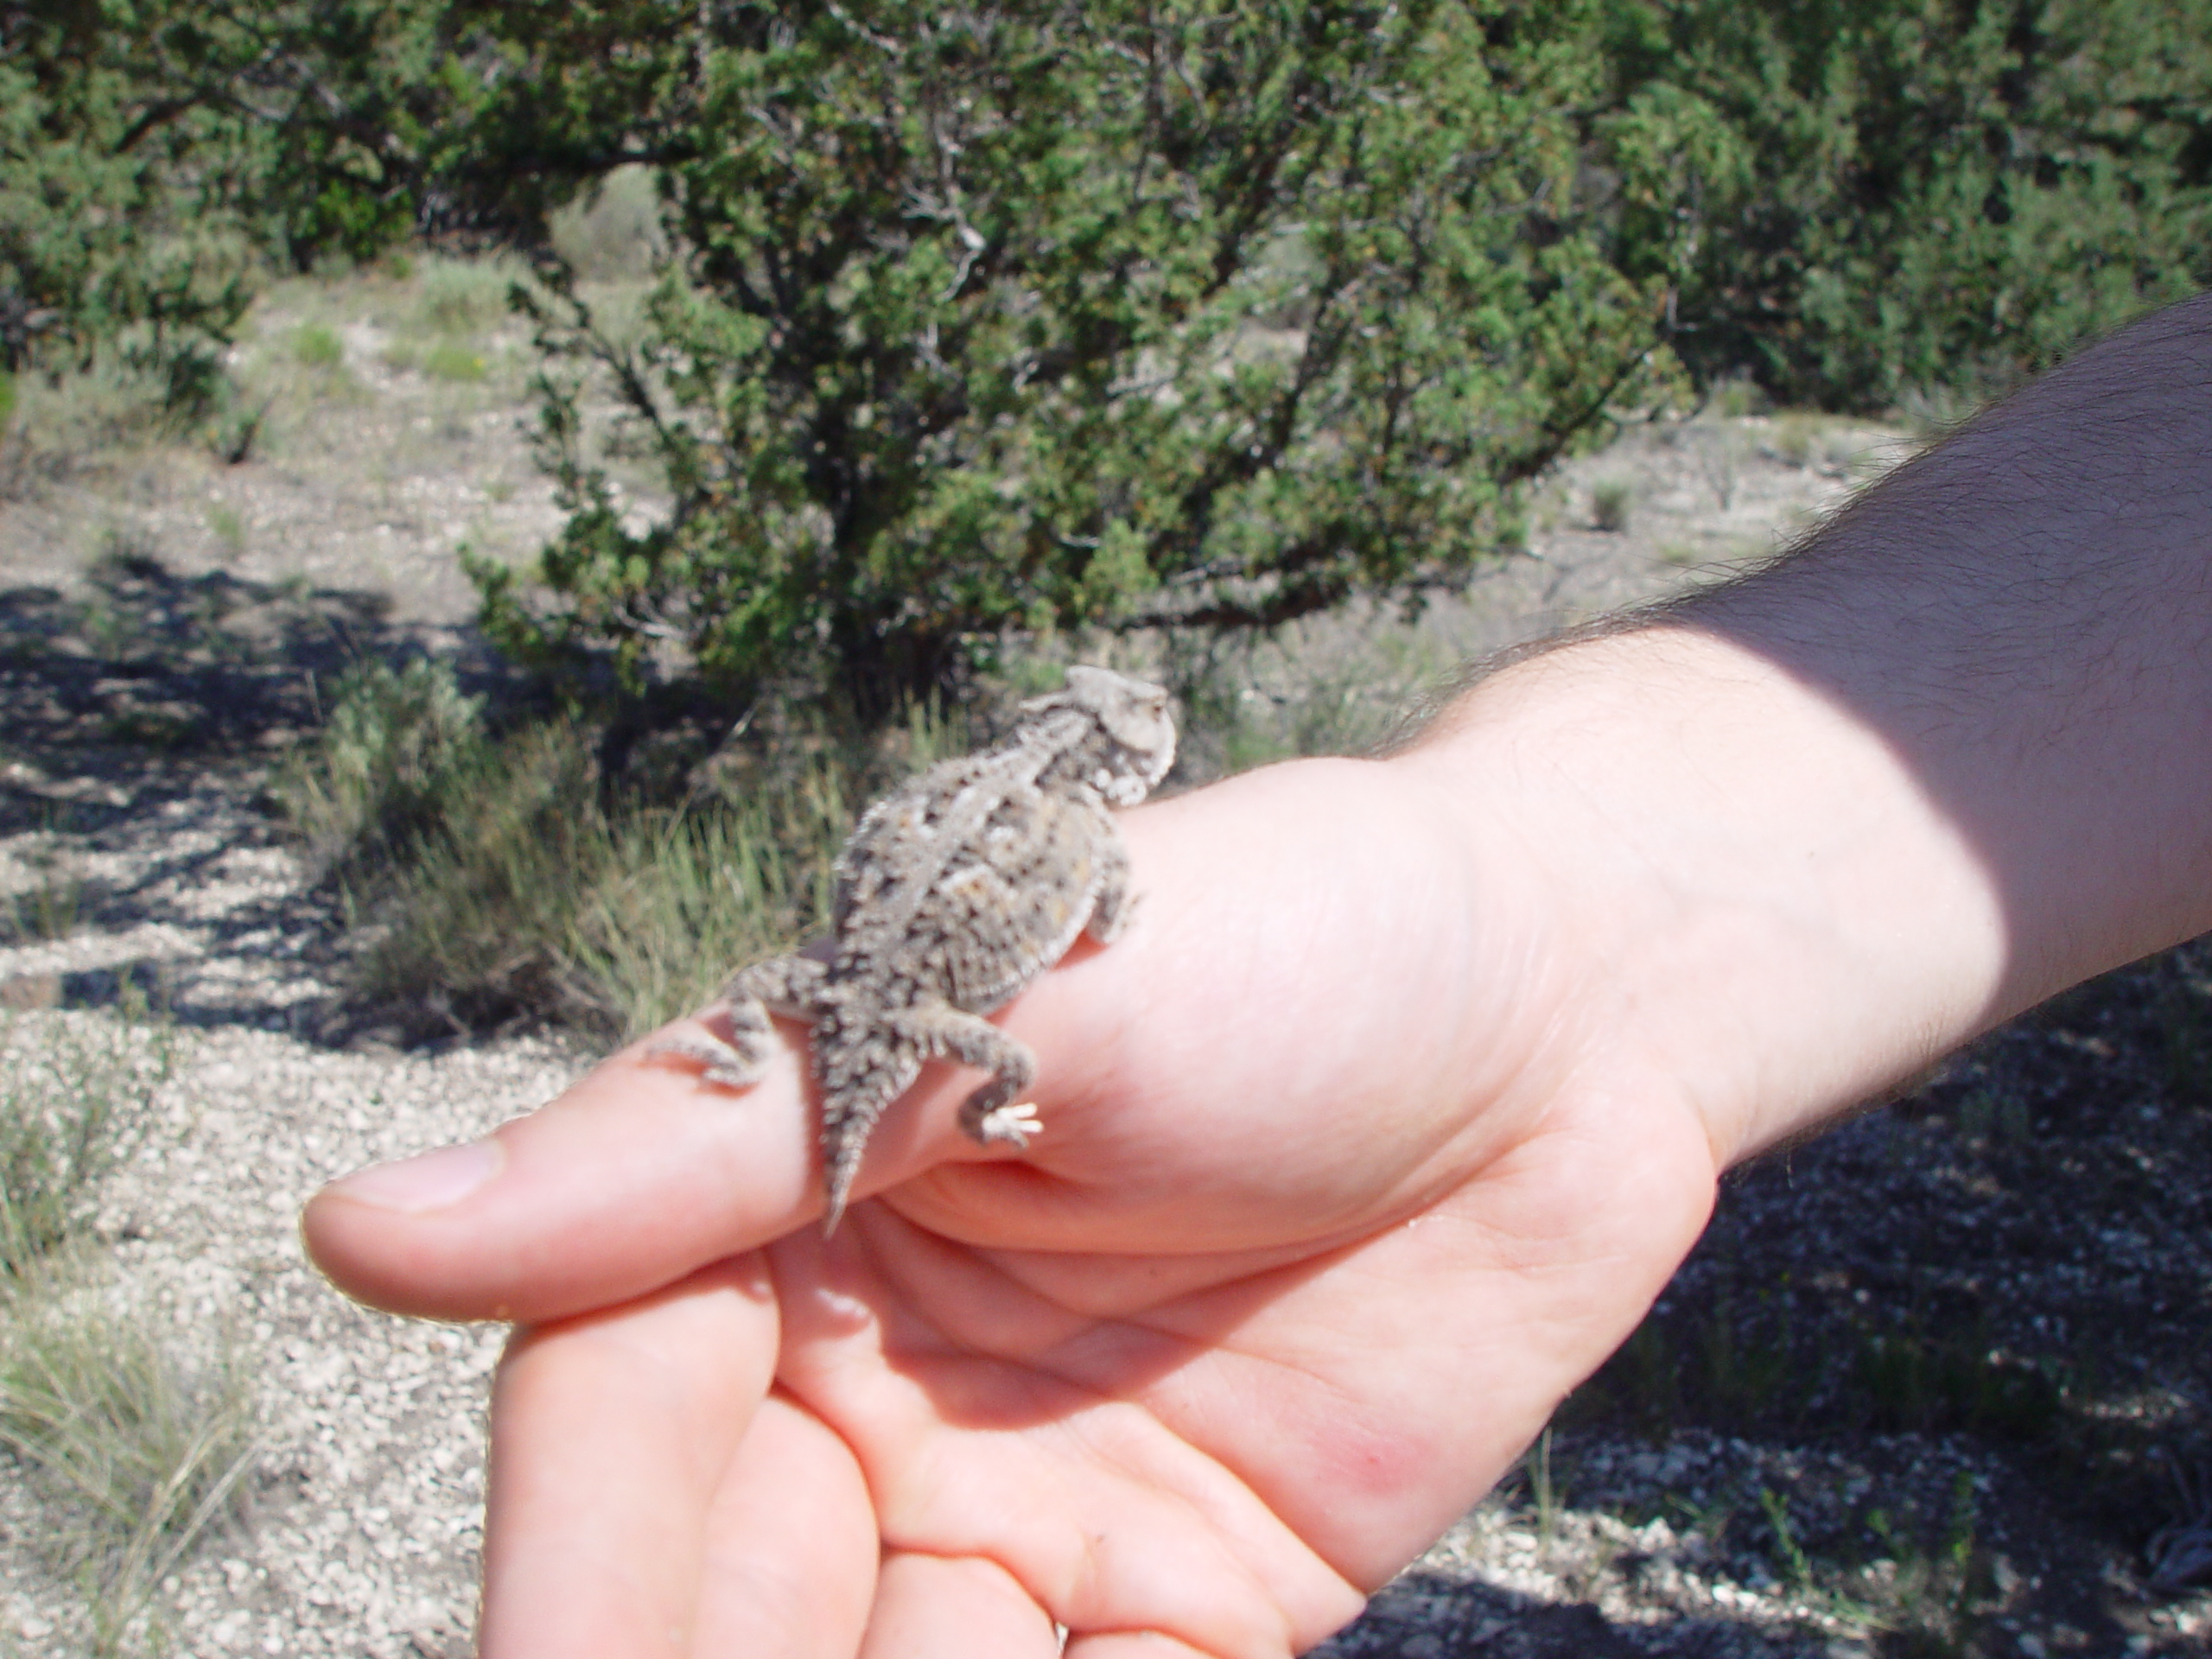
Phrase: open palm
[1343,1185]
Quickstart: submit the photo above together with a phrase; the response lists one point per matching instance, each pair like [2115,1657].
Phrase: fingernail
[429,1182]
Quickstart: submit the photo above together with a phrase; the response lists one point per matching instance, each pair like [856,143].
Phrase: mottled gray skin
[954,893]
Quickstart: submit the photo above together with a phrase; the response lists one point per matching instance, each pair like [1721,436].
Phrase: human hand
[1340,1190]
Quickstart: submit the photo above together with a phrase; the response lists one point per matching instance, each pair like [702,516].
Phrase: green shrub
[447,362]
[100,245]
[388,756]
[1069,352]
[317,347]
[1888,195]
[1847,201]
[1611,499]
[156,157]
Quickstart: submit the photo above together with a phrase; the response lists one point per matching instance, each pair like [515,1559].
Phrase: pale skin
[1401,1097]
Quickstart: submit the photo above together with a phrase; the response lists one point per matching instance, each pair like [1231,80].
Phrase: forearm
[1949,758]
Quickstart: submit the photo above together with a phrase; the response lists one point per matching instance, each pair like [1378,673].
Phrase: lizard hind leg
[994,1113]
[869,1063]
[790,986]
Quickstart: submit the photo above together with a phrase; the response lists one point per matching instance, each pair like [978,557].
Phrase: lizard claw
[726,1064]
[1013,1124]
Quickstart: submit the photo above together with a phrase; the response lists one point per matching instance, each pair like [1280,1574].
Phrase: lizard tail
[841,1153]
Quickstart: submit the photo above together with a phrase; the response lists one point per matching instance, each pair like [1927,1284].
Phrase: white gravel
[364,1522]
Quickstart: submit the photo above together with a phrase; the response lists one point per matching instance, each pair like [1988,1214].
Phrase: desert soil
[1932,1385]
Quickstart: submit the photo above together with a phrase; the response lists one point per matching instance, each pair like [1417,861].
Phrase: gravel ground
[362,1520]
[1697,1499]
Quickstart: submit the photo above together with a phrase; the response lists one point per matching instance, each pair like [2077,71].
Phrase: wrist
[1758,905]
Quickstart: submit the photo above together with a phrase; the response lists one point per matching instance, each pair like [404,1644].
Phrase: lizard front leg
[790,986]
[995,1112]
[1110,903]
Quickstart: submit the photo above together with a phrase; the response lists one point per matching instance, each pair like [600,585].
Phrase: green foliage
[154,155]
[1040,316]
[317,347]
[1886,196]
[449,361]
[378,771]
[101,230]
[1611,500]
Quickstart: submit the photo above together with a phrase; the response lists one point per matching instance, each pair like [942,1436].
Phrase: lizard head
[1125,742]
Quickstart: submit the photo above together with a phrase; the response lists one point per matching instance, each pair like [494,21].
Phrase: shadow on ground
[145,666]
[139,711]
[1432,1615]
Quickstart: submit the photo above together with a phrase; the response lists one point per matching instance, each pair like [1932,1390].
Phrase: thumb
[636,1176]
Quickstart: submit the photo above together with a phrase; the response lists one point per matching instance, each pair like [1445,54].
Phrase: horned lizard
[953,894]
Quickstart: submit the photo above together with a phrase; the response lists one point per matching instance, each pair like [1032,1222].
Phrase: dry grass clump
[137,1448]
[315,346]
[139,1451]
[503,878]
[1339,684]
[73,1106]
[613,234]
[94,419]
[1611,501]
[535,895]
[394,744]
